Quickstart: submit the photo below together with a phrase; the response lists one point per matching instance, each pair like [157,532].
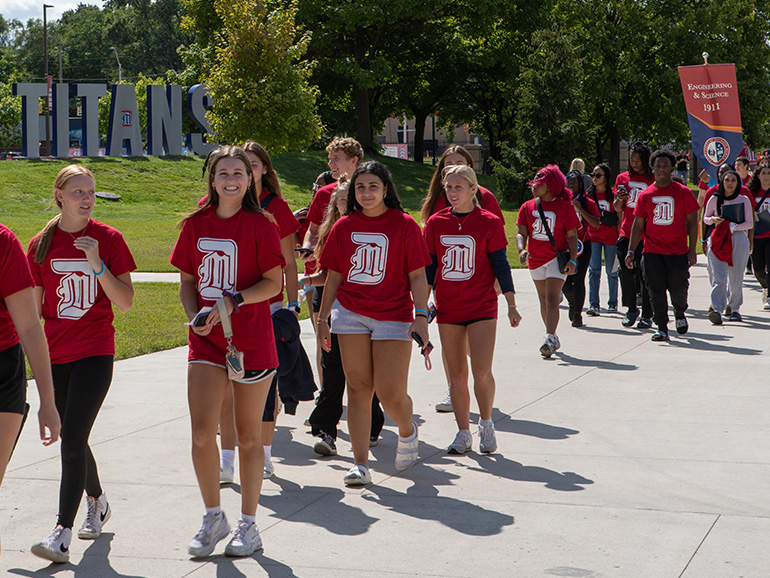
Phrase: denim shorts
[548,271]
[345,322]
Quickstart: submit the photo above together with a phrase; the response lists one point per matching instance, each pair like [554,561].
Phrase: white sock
[547,335]
[249,519]
[411,437]
[486,423]
[228,459]
[268,449]
[215,510]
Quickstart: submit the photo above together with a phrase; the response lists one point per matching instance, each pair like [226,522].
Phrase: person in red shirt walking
[467,247]
[228,253]
[666,214]
[375,256]
[81,268]
[553,200]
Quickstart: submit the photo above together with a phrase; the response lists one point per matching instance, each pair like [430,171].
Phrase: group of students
[372,269]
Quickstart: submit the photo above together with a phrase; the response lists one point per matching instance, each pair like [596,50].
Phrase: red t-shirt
[604,234]
[465,281]
[634,184]
[583,231]
[665,212]
[561,218]
[287,225]
[231,255]
[14,277]
[746,181]
[320,203]
[755,199]
[488,203]
[375,255]
[76,310]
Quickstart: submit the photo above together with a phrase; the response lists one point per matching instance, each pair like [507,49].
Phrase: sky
[25,9]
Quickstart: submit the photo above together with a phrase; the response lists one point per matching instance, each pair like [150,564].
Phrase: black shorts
[268,414]
[318,294]
[466,323]
[13,380]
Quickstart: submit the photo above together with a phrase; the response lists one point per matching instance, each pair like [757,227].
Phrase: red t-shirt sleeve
[34,268]
[269,255]
[429,234]
[489,203]
[283,215]
[14,270]
[571,220]
[320,202]
[181,254]
[497,238]
[330,253]
[641,209]
[417,253]
[119,260]
[690,202]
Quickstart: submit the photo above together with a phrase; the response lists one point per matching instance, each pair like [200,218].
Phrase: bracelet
[629,252]
[511,307]
[236,306]
[319,321]
[301,283]
[101,272]
[573,262]
[293,303]
[420,315]
[425,313]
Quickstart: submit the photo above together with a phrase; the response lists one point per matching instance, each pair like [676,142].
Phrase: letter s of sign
[197,100]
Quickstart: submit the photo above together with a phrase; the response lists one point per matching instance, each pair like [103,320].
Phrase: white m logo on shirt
[664,210]
[218,269]
[77,287]
[369,259]
[459,260]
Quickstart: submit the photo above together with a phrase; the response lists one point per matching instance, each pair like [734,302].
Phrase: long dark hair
[754,184]
[608,195]
[644,153]
[436,187]
[270,178]
[250,202]
[381,172]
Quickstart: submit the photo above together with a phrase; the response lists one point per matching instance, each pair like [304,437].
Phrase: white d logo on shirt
[77,287]
[218,269]
[369,259]
[664,210]
[538,231]
[459,260]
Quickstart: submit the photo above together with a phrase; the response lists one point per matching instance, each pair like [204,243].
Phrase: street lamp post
[120,68]
[47,81]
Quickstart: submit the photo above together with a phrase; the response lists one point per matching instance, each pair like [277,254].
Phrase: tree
[257,80]
[10,118]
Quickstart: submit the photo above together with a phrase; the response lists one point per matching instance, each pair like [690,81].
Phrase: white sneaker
[245,540]
[406,453]
[55,547]
[226,474]
[213,530]
[766,305]
[463,442]
[555,344]
[358,476]
[487,441]
[445,406]
[97,515]
[269,470]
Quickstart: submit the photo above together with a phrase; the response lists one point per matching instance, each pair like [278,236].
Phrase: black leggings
[79,390]
[575,285]
[761,260]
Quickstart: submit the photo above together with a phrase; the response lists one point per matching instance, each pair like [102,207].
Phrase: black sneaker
[577,320]
[325,445]
[660,335]
[715,317]
[644,323]
[735,316]
[630,317]
[681,326]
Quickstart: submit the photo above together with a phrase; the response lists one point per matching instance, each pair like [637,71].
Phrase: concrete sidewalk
[619,457]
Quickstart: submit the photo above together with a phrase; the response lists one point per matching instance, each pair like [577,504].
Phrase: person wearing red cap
[553,200]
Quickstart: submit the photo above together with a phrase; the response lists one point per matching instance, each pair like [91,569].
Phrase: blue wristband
[573,262]
[100,272]
[301,283]
[293,303]
[421,311]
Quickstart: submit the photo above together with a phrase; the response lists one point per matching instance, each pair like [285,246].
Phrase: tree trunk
[363,120]
[419,135]
[614,149]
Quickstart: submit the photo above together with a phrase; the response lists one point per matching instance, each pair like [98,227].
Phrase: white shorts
[548,271]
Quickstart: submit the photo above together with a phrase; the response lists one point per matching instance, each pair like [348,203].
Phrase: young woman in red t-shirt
[467,247]
[81,268]
[536,250]
[760,256]
[436,200]
[375,257]
[20,325]
[228,250]
[268,190]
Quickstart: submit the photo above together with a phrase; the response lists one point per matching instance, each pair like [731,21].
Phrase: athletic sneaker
[644,323]
[593,311]
[577,320]
[728,311]
[766,305]
[226,474]
[245,540]
[463,442]
[546,349]
[487,441]
[358,476]
[325,445]
[681,326]
[445,406]
[213,530]
[715,317]
[269,469]
[556,343]
[735,316]
[660,335]
[55,547]
[612,309]
[374,441]
[406,452]
[630,317]
[97,514]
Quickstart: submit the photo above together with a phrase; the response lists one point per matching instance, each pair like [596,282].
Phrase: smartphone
[431,312]
[424,349]
[304,251]
[200,319]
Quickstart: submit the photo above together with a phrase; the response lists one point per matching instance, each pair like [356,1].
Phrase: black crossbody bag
[562,257]
[606,218]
